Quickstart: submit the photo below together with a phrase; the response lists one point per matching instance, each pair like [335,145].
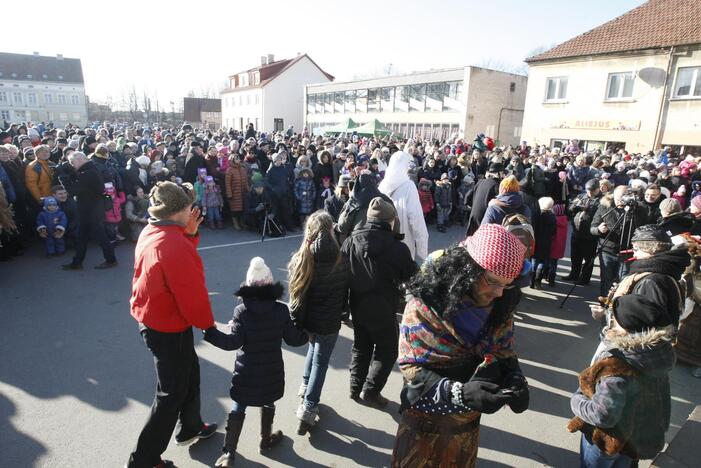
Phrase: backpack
[520,226]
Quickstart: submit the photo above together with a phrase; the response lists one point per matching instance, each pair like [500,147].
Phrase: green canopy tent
[347,126]
[373,128]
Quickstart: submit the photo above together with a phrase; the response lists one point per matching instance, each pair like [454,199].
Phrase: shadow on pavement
[17,448]
[541,453]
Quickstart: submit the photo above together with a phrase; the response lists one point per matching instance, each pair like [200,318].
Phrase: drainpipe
[500,115]
[658,130]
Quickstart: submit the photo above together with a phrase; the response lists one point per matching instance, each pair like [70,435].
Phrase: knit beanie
[258,273]
[168,198]
[496,250]
[508,185]
[380,210]
[669,206]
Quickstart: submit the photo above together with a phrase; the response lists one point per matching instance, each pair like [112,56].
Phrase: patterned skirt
[436,441]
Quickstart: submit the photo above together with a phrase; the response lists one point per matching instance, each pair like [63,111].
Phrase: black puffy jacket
[327,296]
[258,328]
[379,262]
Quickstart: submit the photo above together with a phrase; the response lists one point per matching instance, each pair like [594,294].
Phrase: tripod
[266,220]
[626,221]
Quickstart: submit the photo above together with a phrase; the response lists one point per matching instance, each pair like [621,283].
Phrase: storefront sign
[592,124]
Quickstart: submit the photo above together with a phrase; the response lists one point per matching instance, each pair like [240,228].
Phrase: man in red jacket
[168,298]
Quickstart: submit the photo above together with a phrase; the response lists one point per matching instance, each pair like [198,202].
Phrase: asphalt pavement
[76,380]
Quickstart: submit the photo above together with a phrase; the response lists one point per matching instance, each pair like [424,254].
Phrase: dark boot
[533,280]
[268,438]
[539,279]
[233,430]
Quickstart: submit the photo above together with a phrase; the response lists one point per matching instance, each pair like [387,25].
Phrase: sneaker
[374,399]
[302,391]
[206,432]
[106,265]
[72,266]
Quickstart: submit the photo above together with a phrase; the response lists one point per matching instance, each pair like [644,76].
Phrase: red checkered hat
[497,250]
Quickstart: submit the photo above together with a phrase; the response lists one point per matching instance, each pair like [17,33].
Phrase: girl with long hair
[319,278]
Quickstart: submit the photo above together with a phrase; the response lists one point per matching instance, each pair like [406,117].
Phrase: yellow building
[633,83]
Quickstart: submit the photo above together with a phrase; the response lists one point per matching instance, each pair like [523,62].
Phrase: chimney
[271,58]
[36,54]
[263,60]
[59,56]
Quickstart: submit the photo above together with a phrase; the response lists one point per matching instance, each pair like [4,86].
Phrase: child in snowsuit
[70,208]
[305,193]
[259,325]
[113,215]
[212,202]
[51,225]
[444,201]
[426,199]
[199,186]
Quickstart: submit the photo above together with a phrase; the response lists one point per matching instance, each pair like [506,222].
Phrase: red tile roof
[654,24]
[272,70]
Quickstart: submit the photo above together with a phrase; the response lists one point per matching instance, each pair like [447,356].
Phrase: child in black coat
[257,329]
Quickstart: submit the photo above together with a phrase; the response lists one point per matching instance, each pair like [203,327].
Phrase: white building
[437,103]
[42,89]
[271,96]
[633,82]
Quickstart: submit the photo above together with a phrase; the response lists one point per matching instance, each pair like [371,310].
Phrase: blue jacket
[505,204]
[277,179]
[52,221]
[305,193]
[7,185]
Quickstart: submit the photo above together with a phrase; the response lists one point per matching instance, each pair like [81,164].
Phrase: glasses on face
[494,283]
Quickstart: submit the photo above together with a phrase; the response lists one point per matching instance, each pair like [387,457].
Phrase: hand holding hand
[43,233]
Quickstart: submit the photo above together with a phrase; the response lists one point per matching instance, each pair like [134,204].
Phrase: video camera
[630,199]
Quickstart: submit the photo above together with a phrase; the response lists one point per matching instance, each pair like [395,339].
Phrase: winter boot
[308,418]
[302,391]
[231,440]
[268,438]
[237,225]
[539,279]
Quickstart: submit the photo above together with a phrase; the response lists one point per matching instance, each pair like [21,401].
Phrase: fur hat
[258,273]
[381,210]
[167,199]
[496,250]
[669,206]
[343,181]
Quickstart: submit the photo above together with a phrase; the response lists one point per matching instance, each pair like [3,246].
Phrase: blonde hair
[509,184]
[301,266]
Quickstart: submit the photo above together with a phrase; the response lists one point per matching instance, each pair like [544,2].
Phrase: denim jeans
[315,366]
[213,214]
[238,408]
[612,269]
[590,456]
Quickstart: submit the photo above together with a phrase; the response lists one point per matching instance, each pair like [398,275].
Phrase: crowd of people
[364,204]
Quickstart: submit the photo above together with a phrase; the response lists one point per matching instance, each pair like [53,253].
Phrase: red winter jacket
[168,292]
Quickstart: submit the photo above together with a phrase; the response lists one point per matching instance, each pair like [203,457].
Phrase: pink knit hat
[496,250]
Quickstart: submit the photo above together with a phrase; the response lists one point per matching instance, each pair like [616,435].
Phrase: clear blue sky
[168,48]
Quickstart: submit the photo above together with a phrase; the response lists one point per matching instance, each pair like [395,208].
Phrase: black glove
[484,397]
[521,396]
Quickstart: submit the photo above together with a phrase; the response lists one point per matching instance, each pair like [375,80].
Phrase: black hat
[635,313]
[495,167]
[195,144]
[4,135]
[651,233]
[62,141]
[592,184]
[89,140]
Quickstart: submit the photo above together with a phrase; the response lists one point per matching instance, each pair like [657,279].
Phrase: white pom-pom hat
[258,273]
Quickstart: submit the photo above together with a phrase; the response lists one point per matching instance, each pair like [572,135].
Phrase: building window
[374,100]
[328,103]
[17,97]
[401,100]
[620,86]
[51,116]
[60,77]
[435,93]
[417,101]
[20,115]
[48,98]
[688,82]
[62,116]
[556,89]
[61,98]
[14,75]
[512,87]
[5,114]
[248,99]
[361,100]
[311,103]
[257,100]
[45,76]
[256,80]
[387,97]
[76,116]
[75,100]
[32,99]
[350,101]
[240,100]
[3,96]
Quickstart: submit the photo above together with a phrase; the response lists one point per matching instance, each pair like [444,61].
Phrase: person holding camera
[583,242]
[614,222]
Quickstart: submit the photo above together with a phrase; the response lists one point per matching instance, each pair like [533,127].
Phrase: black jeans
[92,225]
[177,397]
[378,346]
[583,251]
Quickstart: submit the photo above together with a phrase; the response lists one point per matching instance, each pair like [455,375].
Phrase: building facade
[632,83]
[42,89]
[270,96]
[203,111]
[436,103]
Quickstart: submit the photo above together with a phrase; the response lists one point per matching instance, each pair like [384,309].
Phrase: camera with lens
[629,199]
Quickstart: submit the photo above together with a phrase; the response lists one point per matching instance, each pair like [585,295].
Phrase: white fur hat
[258,273]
